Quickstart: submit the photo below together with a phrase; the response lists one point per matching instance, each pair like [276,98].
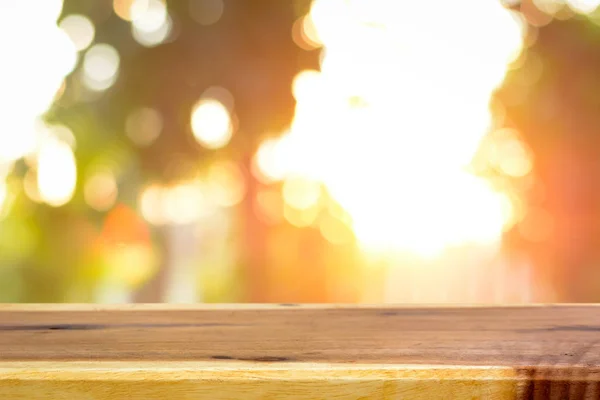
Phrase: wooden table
[298,352]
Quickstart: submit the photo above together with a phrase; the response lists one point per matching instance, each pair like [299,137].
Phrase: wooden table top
[531,343]
[472,336]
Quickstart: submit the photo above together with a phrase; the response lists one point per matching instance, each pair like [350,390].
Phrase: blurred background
[356,151]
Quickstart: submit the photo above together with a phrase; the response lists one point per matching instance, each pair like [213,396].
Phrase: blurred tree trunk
[552,99]
[254,243]
[153,290]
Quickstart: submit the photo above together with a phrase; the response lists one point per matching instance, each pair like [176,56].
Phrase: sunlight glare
[25,44]
[394,117]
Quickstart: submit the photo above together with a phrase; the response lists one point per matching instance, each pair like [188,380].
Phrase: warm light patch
[100,190]
[100,67]
[184,203]
[300,218]
[537,225]
[80,30]
[504,150]
[64,134]
[123,8]
[301,193]
[126,248]
[150,36]
[57,172]
[151,205]
[226,184]
[584,6]
[548,6]
[30,186]
[222,95]
[29,43]
[304,34]
[306,84]
[148,15]
[393,118]
[13,147]
[211,123]
[268,206]
[273,159]
[130,265]
[335,230]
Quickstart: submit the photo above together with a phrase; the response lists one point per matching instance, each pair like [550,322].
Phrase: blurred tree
[551,99]
[249,52]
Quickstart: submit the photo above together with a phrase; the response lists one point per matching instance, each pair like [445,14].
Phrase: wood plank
[299,352]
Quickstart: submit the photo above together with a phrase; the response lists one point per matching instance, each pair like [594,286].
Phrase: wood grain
[299,352]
